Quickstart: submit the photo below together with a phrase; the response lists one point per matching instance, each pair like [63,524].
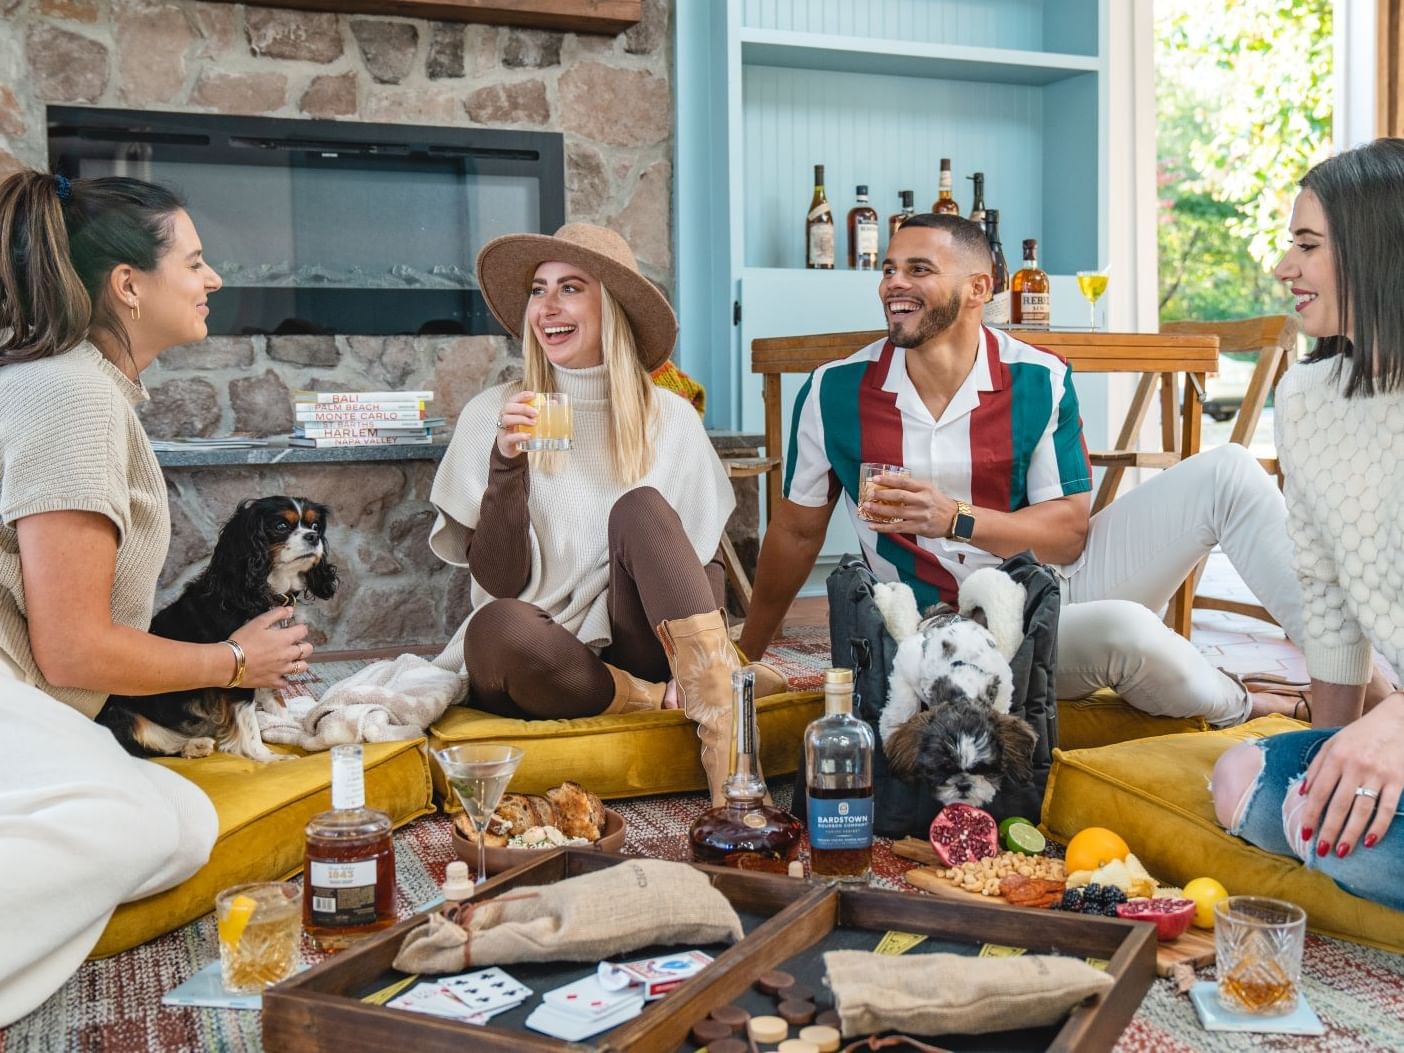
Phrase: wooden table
[1176,361]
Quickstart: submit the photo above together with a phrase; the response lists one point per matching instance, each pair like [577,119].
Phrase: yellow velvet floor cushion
[624,755]
[1103,718]
[262,812]
[1154,792]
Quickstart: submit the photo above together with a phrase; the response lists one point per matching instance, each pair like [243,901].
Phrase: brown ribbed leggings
[523,664]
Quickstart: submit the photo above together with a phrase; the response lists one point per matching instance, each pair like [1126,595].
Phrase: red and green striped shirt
[1010,437]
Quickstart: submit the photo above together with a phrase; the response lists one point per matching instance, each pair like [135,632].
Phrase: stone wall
[611,97]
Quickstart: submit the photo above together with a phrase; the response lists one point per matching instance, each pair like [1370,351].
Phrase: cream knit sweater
[70,439]
[569,510]
[1343,465]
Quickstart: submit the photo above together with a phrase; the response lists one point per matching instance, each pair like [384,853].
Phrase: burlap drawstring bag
[952,994]
[582,919]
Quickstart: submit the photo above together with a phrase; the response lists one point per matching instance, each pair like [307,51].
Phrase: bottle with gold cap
[838,761]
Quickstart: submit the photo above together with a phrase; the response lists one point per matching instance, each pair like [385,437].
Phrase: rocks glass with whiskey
[260,928]
[554,428]
[744,832]
[869,479]
[1258,951]
[838,766]
[350,861]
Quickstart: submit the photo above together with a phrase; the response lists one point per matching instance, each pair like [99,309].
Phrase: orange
[1094,847]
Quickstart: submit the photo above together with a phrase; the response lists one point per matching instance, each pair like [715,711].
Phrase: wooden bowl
[500,859]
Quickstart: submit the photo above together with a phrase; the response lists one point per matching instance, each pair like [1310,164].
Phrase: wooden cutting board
[1195,947]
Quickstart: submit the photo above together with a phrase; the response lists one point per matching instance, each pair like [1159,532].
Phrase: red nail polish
[1371,840]
[1342,850]
[1302,789]
[1322,847]
[1306,833]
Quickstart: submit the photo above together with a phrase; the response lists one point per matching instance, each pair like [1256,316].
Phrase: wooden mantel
[573,16]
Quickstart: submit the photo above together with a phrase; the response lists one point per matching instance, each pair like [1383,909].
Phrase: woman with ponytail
[97,278]
[596,580]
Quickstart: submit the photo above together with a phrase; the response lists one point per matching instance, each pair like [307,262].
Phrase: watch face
[964,527]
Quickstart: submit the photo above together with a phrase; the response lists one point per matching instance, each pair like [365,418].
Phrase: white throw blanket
[384,702]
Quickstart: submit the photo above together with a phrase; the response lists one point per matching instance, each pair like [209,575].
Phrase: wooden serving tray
[1195,947]
[789,923]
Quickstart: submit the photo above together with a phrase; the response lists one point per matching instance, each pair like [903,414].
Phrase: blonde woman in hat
[596,583]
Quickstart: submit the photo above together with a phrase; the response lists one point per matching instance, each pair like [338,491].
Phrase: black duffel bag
[859,640]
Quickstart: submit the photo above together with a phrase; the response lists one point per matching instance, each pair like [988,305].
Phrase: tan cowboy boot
[633,694]
[769,680]
[702,659]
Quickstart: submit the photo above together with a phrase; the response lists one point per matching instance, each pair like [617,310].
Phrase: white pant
[1139,550]
[84,826]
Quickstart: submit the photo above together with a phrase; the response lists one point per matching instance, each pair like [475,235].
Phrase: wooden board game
[787,920]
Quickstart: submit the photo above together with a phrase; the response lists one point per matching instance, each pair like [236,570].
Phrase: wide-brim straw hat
[507,265]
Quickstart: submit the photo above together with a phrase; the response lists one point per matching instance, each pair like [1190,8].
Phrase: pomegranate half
[1172,917]
[963,832]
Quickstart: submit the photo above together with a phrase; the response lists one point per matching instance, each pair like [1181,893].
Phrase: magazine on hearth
[363,418]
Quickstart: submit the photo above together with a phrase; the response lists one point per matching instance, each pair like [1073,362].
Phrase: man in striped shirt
[989,427]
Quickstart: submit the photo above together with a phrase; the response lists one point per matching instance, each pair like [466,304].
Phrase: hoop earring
[136,312]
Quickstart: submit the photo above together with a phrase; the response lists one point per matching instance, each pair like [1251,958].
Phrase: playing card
[572,1027]
[589,999]
[436,999]
[487,990]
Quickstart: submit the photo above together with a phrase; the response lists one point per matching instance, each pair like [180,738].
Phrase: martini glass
[1092,285]
[478,773]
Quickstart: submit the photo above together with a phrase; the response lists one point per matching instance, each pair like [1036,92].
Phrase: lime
[1025,838]
[231,926]
[1005,824]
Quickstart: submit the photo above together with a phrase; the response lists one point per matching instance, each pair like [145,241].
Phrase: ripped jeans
[1256,798]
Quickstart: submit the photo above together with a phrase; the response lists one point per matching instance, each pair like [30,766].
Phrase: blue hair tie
[65,188]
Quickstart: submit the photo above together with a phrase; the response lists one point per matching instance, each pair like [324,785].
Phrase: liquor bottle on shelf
[997,308]
[1030,305]
[862,234]
[898,218]
[819,228]
[945,203]
[350,861]
[838,765]
[745,832]
[977,207]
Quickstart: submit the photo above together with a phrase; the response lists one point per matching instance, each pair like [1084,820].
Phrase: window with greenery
[1243,101]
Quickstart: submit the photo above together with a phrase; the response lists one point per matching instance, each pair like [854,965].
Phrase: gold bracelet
[239,660]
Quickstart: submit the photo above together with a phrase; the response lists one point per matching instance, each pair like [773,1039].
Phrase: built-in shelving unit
[878,91]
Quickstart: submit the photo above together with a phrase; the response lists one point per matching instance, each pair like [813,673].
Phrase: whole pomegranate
[963,832]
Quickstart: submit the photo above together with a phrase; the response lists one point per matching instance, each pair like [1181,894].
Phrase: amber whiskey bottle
[350,862]
[744,832]
[1030,304]
[898,218]
[838,765]
[819,228]
[862,234]
[945,203]
[997,309]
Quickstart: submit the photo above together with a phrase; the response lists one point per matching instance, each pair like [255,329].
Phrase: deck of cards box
[338,1005]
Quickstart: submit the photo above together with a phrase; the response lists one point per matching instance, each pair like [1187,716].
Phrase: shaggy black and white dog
[272,551]
[947,723]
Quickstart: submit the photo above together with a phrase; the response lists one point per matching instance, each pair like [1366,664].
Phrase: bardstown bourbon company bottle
[838,762]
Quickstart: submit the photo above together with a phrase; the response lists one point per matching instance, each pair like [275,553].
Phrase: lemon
[231,926]
[1205,892]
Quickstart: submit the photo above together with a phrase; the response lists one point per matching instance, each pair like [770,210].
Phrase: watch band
[962,523]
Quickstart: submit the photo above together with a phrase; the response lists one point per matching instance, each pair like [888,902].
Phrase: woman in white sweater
[1340,434]
[587,563]
[97,277]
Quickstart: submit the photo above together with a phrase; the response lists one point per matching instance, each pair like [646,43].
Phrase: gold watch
[962,523]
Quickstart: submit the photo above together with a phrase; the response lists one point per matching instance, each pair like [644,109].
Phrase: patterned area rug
[113,1006]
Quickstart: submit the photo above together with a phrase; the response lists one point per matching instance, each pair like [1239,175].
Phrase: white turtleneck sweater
[1343,466]
[569,509]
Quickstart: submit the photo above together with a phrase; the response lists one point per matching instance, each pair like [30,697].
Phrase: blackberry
[1071,901]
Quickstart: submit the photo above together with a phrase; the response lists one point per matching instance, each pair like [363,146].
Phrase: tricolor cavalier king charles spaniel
[271,552]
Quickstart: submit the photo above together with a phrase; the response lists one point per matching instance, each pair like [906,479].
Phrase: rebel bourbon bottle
[838,764]
[350,863]
[745,832]
[1028,292]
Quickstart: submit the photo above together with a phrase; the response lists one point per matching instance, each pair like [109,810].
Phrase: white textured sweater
[70,439]
[1343,466]
[569,510]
